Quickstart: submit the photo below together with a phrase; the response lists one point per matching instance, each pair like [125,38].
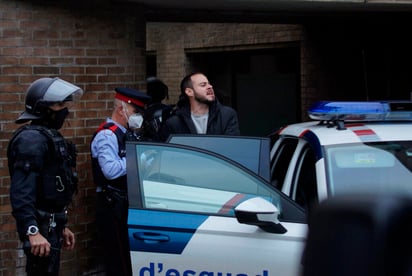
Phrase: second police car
[226,206]
[350,147]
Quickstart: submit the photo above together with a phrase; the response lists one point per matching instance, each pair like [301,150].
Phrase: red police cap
[132,96]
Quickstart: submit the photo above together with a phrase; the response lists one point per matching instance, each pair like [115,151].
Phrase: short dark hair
[187,82]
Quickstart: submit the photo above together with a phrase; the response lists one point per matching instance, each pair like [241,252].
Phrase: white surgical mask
[135,120]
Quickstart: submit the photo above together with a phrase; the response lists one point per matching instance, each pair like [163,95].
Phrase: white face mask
[135,120]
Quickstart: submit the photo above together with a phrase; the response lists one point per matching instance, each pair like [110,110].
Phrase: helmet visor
[60,91]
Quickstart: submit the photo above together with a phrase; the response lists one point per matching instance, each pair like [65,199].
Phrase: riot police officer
[108,152]
[42,170]
[157,112]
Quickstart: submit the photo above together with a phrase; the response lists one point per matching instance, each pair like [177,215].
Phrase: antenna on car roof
[336,122]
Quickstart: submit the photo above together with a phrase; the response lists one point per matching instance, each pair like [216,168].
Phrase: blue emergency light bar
[361,111]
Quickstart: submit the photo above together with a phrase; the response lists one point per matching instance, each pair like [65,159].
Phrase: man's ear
[189,91]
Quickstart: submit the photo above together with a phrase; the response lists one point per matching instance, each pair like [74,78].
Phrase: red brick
[37,38]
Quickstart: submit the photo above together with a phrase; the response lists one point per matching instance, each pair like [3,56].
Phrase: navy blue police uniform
[157,112]
[42,168]
[108,154]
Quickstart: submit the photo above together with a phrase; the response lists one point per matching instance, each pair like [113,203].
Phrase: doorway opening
[262,85]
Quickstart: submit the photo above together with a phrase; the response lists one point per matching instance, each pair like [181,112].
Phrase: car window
[251,152]
[304,184]
[283,152]
[198,182]
[370,167]
[174,178]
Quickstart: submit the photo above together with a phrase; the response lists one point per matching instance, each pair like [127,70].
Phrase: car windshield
[382,167]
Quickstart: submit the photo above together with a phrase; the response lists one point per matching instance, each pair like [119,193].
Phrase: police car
[349,147]
[194,212]
[210,205]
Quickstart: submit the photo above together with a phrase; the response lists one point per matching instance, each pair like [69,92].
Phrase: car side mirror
[260,212]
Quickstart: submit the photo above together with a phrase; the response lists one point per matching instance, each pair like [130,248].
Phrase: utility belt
[119,185]
[114,201]
[113,194]
[59,216]
[48,222]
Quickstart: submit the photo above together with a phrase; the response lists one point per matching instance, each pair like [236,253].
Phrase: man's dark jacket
[222,120]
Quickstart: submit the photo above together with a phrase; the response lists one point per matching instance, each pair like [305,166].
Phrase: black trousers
[111,219]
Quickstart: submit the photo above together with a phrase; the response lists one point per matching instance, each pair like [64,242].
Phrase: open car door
[195,212]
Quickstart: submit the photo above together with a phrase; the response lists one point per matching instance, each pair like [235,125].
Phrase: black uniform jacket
[222,120]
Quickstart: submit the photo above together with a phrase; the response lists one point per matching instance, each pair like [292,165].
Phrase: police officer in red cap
[108,152]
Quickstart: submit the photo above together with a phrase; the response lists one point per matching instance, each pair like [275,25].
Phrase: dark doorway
[151,65]
[262,85]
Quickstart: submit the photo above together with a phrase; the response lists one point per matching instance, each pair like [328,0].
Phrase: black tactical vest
[57,180]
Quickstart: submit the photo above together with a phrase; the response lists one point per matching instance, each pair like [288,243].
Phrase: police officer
[109,173]
[157,112]
[42,170]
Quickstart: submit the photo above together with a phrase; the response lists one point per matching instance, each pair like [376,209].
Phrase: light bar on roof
[361,111]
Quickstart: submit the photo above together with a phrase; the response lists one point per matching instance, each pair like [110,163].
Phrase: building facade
[270,73]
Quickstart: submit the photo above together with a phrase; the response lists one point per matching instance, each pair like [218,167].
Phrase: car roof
[353,132]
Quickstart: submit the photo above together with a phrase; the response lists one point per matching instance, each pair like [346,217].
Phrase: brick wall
[97,47]
[171,41]
[339,59]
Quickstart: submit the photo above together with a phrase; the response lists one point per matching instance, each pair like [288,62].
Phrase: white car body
[204,205]
[364,156]
[193,212]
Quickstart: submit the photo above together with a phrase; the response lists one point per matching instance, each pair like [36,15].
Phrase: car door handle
[150,237]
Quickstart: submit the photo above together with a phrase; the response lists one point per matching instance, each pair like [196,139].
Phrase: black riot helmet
[44,92]
[157,89]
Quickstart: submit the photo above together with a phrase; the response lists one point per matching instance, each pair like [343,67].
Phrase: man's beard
[203,100]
